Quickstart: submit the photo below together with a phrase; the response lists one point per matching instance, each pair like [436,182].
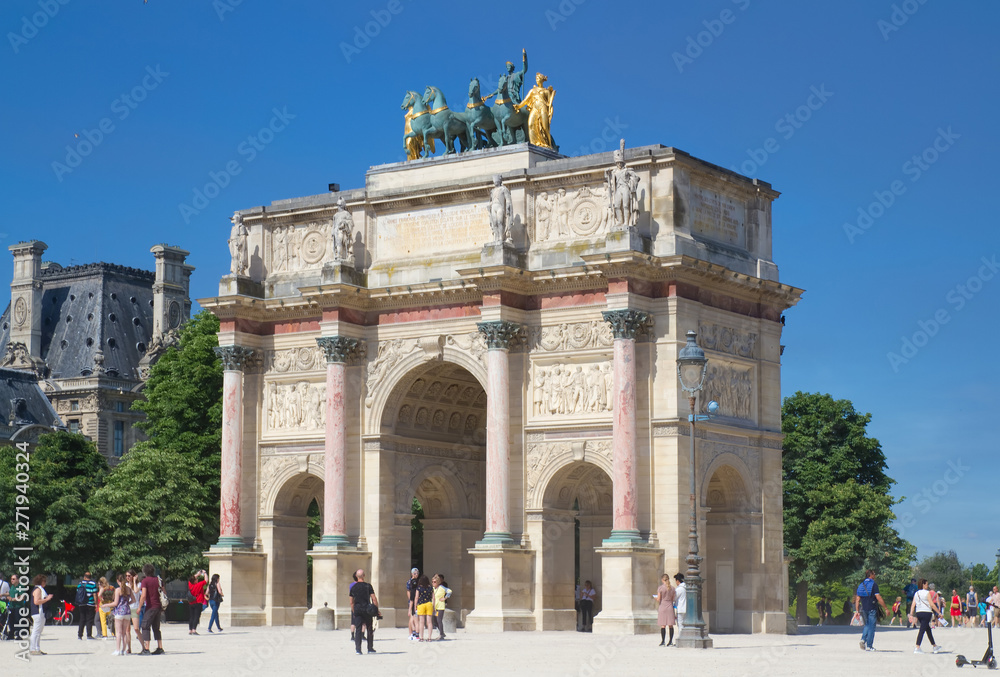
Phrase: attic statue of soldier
[501,212]
[343,234]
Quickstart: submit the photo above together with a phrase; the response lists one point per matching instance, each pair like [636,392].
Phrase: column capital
[234,358]
[501,334]
[341,349]
[627,324]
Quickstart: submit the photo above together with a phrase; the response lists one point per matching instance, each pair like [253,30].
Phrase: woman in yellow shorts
[425,607]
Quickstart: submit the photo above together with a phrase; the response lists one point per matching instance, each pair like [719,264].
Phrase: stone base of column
[630,574]
[241,573]
[340,272]
[494,254]
[503,589]
[694,638]
[240,285]
[333,568]
[626,240]
[335,542]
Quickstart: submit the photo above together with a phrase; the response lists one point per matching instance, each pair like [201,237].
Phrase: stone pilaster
[338,351]
[234,360]
[625,326]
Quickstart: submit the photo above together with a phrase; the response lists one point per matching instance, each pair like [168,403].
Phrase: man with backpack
[865,599]
[86,602]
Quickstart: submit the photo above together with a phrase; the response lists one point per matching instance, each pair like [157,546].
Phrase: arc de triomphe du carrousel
[495,333]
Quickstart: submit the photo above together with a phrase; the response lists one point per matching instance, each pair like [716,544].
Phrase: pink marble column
[338,350]
[500,335]
[625,325]
[233,360]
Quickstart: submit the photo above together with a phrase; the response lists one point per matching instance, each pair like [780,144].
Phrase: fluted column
[500,336]
[234,359]
[338,350]
[625,325]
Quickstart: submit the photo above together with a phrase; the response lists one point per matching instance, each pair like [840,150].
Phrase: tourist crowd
[133,602]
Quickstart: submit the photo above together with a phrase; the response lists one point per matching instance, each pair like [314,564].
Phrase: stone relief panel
[389,353]
[732,387]
[571,389]
[306,358]
[726,340]
[572,213]
[298,406]
[571,336]
[473,343]
[295,247]
[541,455]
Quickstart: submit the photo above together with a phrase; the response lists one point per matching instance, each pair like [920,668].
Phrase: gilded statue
[414,144]
[539,104]
[501,212]
[238,246]
[623,184]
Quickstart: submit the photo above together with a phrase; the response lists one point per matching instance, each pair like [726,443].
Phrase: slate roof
[21,396]
[98,305]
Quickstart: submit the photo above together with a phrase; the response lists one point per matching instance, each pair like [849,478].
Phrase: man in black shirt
[362,596]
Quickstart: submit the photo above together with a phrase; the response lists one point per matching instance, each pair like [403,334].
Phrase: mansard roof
[23,404]
[86,308]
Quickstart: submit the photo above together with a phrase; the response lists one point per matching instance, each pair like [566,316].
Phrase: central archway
[434,429]
[574,518]
[285,535]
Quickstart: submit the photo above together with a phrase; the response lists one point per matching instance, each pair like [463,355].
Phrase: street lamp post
[691,367]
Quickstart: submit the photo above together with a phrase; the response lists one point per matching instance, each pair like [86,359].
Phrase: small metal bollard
[324,618]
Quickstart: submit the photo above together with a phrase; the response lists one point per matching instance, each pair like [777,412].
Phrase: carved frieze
[571,389]
[572,213]
[305,358]
[726,340]
[732,387]
[571,336]
[295,406]
[473,343]
[389,353]
[295,247]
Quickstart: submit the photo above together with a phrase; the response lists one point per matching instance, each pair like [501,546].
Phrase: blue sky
[876,120]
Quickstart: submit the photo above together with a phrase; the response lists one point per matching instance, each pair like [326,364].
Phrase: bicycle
[63,614]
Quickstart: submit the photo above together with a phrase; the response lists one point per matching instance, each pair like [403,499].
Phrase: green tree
[153,510]
[944,570]
[62,470]
[837,504]
[161,504]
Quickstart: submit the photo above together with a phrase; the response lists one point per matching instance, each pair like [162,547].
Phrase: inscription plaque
[440,230]
[718,217]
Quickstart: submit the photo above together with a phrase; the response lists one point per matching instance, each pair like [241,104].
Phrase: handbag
[164,600]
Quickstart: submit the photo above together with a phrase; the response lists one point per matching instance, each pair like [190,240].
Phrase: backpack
[865,589]
[82,598]
[164,600]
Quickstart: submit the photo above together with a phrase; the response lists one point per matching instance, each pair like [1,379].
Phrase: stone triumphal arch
[514,370]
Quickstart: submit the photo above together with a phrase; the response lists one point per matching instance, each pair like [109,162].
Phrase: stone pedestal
[626,240]
[241,574]
[497,254]
[340,272]
[240,285]
[332,573]
[503,589]
[630,575]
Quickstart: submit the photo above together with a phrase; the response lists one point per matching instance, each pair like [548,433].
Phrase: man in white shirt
[682,600]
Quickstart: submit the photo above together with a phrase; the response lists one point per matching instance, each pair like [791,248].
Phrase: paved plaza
[295,651]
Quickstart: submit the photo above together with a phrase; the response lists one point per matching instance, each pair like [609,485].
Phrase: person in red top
[956,609]
[151,616]
[197,601]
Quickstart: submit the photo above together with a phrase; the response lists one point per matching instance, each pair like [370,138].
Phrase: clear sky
[877,120]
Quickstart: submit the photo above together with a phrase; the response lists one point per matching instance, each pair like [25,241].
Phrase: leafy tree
[837,505]
[63,470]
[183,404]
[944,570]
[161,504]
[153,509]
